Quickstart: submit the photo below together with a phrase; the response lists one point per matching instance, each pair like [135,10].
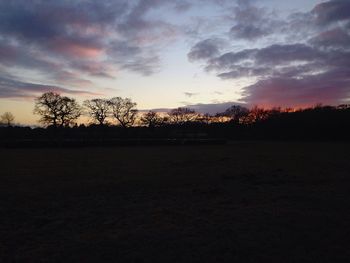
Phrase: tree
[182,115]
[256,114]
[98,109]
[57,110]
[47,105]
[123,110]
[7,118]
[151,119]
[236,113]
[69,111]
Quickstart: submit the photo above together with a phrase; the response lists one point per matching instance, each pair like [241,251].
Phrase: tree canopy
[123,110]
[98,110]
[57,110]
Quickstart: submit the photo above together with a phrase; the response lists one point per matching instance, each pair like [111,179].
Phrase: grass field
[240,202]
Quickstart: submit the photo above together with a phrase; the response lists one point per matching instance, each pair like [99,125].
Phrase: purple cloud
[206,49]
[332,11]
[328,88]
[252,22]
[84,37]
[10,88]
[314,68]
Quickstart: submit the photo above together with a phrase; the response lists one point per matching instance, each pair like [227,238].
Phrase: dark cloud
[284,54]
[333,38]
[252,22]
[271,55]
[212,108]
[329,88]
[65,40]
[12,55]
[227,60]
[312,66]
[239,72]
[206,49]
[10,88]
[332,11]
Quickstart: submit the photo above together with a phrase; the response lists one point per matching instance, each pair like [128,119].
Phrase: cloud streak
[10,88]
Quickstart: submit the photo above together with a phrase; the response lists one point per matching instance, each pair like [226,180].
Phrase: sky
[205,54]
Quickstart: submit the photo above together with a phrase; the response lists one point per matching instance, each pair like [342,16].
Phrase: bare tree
[7,118]
[256,114]
[123,110]
[151,119]
[182,115]
[69,111]
[98,109]
[56,110]
[236,113]
[48,106]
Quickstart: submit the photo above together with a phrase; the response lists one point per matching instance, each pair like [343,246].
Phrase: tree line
[118,119]
[61,111]
[56,110]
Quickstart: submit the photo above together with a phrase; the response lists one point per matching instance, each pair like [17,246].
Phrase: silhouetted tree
[274,112]
[56,110]
[343,106]
[123,110]
[182,115]
[236,113]
[151,119]
[48,106]
[70,110]
[256,114]
[7,118]
[98,110]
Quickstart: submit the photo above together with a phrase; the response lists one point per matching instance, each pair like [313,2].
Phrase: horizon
[206,54]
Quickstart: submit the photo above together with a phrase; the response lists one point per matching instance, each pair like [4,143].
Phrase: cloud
[252,22]
[11,88]
[311,66]
[206,49]
[143,65]
[328,88]
[271,55]
[67,41]
[332,11]
[212,108]
[333,38]
[190,94]
[203,108]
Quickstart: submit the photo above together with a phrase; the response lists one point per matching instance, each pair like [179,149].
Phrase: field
[240,202]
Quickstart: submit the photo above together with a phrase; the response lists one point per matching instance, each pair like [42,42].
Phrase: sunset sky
[172,53]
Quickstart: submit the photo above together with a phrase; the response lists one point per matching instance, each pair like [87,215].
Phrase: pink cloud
[76,49]
[292,92]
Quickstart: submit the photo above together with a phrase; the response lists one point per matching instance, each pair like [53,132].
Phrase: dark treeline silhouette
[117,121]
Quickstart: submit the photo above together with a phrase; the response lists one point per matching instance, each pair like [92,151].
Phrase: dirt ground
[241,202]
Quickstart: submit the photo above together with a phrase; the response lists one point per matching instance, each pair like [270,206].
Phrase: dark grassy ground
[243,202]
